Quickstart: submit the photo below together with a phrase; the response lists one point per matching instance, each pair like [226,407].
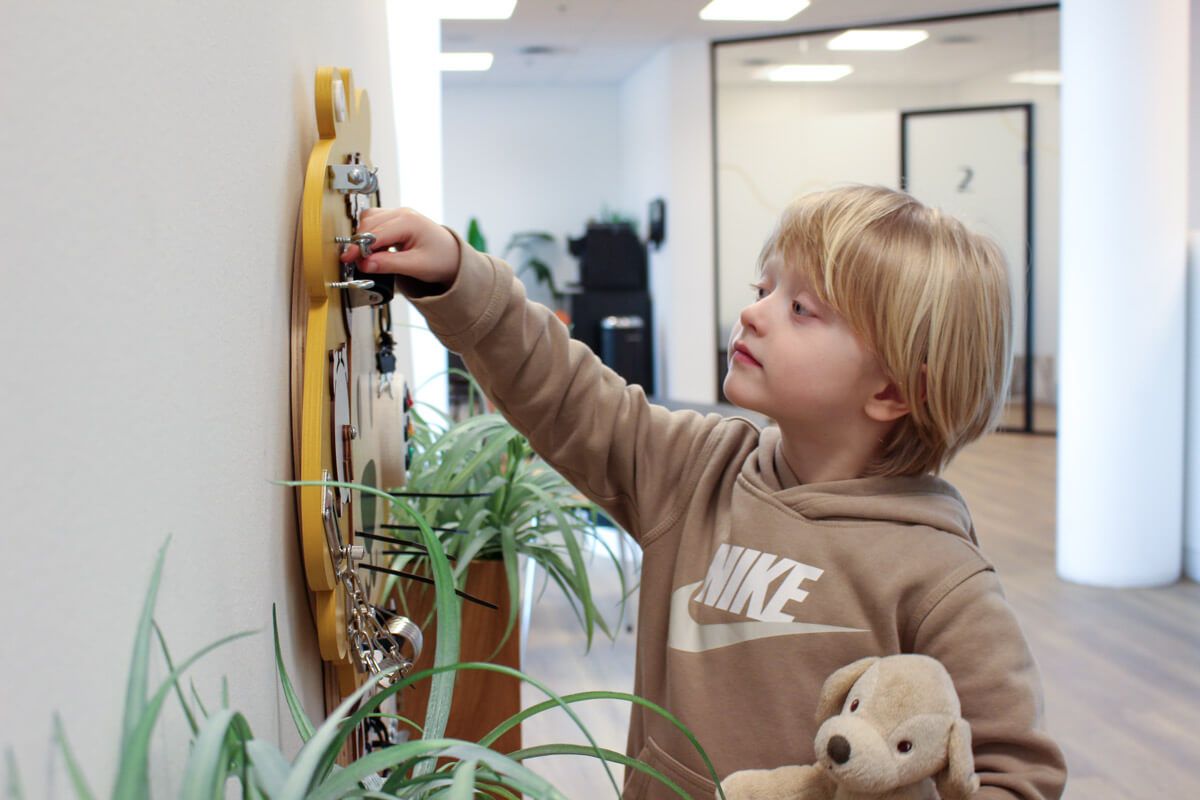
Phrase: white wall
[153,159]
[666,151]
[777,142]
[550,158]
[531,158]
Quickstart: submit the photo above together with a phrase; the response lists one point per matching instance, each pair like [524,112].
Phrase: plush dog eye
[854,706]
[904,746]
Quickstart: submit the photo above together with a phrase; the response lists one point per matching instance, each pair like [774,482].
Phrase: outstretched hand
[424,249]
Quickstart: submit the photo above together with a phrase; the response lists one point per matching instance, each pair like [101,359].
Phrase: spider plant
[508,503]
[224,747]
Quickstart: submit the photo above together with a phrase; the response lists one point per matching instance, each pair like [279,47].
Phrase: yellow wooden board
[336,437]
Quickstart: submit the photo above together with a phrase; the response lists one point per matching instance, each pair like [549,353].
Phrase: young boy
[878,342]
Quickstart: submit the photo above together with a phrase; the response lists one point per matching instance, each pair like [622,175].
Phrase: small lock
[385,361]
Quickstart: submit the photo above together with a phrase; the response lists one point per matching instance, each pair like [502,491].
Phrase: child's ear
[886,405]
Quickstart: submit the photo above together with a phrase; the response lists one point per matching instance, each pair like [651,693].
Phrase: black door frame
[1027,108]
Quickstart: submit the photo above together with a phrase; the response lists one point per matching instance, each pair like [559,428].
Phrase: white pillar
[1123,300]
[1191,552]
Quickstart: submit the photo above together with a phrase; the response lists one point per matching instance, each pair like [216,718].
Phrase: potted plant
[493,504]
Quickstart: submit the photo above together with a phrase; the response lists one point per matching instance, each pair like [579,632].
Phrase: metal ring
[403,628]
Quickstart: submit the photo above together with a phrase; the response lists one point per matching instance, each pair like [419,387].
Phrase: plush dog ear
[958,780]
[838,685]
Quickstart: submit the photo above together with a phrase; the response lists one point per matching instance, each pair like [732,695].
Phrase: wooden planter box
[482,700]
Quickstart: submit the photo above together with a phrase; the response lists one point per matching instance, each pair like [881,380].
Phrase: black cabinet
[622,344]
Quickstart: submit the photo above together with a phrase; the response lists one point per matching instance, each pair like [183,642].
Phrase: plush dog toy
[891,729]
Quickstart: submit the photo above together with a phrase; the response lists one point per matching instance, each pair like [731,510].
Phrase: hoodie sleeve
[629,456]
[972,630]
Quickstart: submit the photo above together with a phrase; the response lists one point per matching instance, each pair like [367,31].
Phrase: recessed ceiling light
[877,40]
[465,62]
[804,72]
[476,9]
[1040,77]
[752,10]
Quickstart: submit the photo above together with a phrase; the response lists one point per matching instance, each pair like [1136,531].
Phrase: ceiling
[592,42]
[956,51]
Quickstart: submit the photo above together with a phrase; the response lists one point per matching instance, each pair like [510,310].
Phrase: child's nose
[751,316]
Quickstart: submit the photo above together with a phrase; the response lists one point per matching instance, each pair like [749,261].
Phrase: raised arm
[973,632]
[628,455]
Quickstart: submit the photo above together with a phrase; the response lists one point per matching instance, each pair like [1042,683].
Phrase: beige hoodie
[754,588]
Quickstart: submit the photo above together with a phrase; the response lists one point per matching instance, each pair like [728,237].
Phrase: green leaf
[199,702]
[78,781]
[12,777]
[270,768]
[609,755]
[137,782]
[373,702]
[300,719]
[316,756]
[463,787]
[221,742]
[449,627]
[578,697]
[430,750]
[475,236]
[131,771]
[187,710]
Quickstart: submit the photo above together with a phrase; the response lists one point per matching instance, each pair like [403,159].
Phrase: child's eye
[759,291]
[800,309]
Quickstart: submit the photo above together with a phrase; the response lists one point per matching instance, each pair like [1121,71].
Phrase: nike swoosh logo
[689,636]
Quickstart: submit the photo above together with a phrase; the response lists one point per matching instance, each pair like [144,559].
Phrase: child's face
[797,361]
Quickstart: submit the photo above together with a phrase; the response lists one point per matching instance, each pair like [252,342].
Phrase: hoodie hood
[918,500]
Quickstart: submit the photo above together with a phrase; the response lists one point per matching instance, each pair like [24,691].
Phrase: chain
[373,646]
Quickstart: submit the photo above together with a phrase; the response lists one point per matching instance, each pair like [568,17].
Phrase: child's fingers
[373,220]
[391,230]
[399,263]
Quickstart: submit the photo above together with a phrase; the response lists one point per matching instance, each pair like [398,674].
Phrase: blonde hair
[927,296]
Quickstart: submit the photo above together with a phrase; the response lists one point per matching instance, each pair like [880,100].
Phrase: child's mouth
[742,356]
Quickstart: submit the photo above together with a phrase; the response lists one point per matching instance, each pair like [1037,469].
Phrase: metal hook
[355,284]
[365,242]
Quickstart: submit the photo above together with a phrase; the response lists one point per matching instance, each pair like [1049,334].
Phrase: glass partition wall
[964,116]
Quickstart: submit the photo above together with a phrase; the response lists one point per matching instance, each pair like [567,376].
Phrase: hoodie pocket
[644,787]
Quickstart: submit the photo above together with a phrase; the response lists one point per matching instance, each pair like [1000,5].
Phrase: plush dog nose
[839,749]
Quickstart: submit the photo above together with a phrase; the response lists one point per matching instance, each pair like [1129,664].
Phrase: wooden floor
[1045,417]
[1121,668]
